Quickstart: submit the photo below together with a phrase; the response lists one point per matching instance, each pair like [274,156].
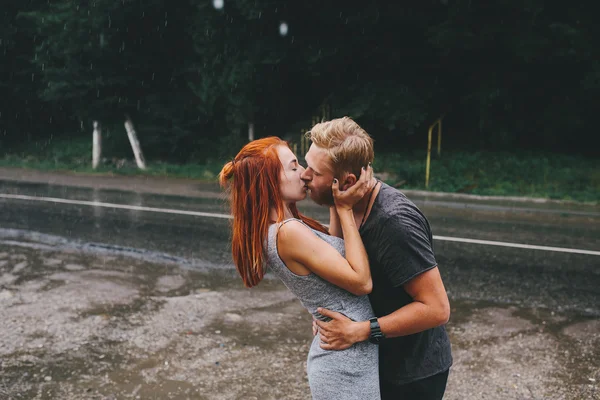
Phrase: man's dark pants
[431,388]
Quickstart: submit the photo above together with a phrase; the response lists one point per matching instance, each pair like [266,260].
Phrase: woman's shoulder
[294,231]
[292,227]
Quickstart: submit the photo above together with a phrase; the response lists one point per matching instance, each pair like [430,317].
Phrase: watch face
[376,335]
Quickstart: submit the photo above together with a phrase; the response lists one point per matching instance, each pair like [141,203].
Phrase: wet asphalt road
[558,281]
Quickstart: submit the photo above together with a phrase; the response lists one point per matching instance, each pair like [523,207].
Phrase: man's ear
[348,181]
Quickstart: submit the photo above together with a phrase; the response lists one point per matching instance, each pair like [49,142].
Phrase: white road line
[226,216]
[114,205]
[517,245]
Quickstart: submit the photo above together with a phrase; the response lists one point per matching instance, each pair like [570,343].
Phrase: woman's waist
[356,308]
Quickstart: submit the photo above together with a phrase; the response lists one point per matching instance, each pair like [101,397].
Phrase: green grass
[76,156]
[542,175]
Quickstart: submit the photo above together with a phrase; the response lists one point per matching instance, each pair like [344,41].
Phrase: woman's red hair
[255,191]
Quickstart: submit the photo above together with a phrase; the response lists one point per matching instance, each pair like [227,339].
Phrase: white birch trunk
[96,145]
[135,144]
[250,131]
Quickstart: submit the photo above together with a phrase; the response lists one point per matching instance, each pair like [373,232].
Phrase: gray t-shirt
[399,243]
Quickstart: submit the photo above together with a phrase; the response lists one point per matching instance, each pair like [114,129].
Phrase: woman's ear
[348,181]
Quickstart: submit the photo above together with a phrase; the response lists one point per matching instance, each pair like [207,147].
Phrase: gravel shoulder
[79,325]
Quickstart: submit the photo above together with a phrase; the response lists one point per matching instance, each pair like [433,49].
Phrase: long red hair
[255,190]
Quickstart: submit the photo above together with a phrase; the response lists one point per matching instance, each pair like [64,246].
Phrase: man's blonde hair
[348,145]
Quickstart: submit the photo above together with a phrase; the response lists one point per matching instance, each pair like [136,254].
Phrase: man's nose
[304,175]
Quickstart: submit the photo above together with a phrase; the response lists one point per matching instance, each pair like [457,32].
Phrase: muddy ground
[80,325]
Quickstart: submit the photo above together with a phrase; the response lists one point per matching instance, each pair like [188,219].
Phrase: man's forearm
[413,318]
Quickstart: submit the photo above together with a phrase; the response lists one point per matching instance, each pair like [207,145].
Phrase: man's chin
[319,200]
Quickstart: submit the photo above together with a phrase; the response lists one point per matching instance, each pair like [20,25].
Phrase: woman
[321,270]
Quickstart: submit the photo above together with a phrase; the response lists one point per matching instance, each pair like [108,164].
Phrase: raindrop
[98,93]
[218,4]
[259,14]
[138,105]
[32,77]
[283,29]
[91,66]
[153,76]
[43,66]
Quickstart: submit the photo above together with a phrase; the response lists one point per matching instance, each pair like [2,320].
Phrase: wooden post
[96,145]
[135,144]
[439,149]
[440,137]
[428,162]
[250,131]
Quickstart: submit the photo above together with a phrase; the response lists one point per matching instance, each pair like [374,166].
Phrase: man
[408,297]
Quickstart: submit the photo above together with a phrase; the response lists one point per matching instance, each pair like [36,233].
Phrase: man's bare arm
[429,309]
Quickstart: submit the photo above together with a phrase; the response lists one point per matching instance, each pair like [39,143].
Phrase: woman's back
[346,374]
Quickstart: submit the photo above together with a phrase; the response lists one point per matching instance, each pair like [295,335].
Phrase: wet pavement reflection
[471,271]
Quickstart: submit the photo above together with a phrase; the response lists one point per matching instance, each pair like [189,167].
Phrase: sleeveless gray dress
[351,374]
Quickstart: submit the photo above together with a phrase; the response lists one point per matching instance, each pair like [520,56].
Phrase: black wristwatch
[376,335]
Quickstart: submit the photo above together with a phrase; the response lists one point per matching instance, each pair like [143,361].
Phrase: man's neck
[362,207]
